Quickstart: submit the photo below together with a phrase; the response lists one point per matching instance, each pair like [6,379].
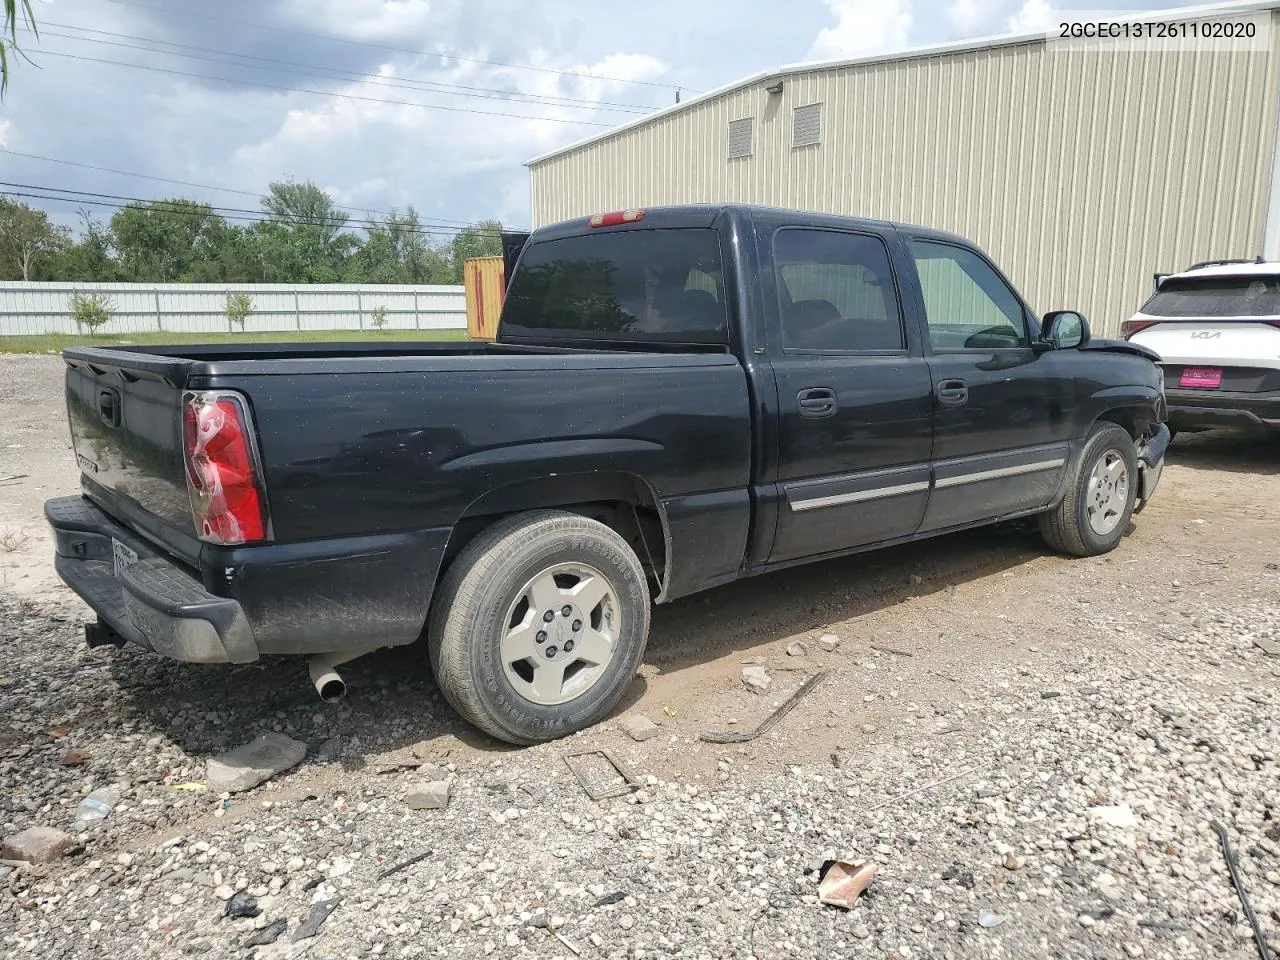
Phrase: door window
[967,304]
[836,292]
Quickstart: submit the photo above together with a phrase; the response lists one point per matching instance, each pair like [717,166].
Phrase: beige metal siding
[1081,173]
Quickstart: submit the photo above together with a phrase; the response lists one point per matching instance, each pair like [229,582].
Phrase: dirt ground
[922,623]
[987,702]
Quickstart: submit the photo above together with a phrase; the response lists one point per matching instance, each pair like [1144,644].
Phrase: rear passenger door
[854,394]
[1003,412]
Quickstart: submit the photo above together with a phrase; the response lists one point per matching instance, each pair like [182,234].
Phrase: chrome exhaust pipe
[325,677]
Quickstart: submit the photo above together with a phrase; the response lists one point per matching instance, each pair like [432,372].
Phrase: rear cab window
[836,292]
[637,285]
[1215,297]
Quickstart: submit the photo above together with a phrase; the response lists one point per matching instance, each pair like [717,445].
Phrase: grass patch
[56,342]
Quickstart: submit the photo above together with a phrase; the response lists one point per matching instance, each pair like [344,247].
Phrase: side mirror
[1064,330]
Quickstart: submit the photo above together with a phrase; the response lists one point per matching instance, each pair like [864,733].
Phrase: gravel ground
[1002,730]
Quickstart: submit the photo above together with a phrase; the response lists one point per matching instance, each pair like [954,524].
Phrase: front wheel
[1094,514]
[539,626]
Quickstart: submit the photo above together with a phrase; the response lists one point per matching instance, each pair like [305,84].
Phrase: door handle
[817,402]
[952,393]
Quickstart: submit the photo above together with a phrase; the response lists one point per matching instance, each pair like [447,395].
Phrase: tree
[168,240]
[89,259]
[91,310]
[239,306]
[26,237]
[305,239]
[396,251]
[483,239]
[304,203]
[9,35]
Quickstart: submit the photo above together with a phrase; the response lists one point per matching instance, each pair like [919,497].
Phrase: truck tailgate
[126,428]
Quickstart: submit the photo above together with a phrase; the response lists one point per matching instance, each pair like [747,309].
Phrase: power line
[380,46]
[319,93]
[88,198]
[185,183]
[307,69]
[340,219]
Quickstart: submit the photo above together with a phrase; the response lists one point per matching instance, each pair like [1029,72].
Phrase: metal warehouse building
[1082,171]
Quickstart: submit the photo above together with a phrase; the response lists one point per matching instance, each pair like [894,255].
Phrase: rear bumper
[154,602]
[1204,408]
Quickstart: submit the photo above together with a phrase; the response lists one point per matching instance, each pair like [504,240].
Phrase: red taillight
[1130,327]
[617,217]
[227,501]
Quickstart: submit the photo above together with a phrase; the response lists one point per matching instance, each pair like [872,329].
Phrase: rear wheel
[1094,514]
[539,626]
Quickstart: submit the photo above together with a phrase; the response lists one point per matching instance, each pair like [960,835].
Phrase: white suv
[1216,327]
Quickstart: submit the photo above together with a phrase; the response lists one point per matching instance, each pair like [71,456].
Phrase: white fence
[41,308]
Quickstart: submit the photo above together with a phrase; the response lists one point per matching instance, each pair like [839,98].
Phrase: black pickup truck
[677,398]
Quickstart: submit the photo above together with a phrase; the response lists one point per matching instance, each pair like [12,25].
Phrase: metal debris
[597,790]
[404,865]
[242,904]
[1234,870]
[315,919]
[734,736]
[267,935]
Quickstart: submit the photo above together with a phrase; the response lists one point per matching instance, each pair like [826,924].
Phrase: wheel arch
[625,502]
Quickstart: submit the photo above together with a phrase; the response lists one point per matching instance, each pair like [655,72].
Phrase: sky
[237,94]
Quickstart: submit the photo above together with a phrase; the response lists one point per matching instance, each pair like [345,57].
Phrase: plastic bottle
[94,808]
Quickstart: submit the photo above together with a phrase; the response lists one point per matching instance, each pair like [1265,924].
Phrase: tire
[494,661]
[1094,515]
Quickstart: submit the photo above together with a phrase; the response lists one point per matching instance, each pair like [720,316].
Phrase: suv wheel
[539,626]
[1094,515]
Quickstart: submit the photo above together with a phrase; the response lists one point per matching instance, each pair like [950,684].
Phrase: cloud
[362,19]
[969,17]
[1032,17]
[863,26]
[4,132]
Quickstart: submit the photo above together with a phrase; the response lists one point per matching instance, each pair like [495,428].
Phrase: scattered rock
[1050,694]
[36,845]
[242,904]
[1118,816]
[757,679]
[253,763]
[915,580]
[1268,646]
[1012,861]
[829,642]
[433,795]
[74,757]
[638,727]
[796,649]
